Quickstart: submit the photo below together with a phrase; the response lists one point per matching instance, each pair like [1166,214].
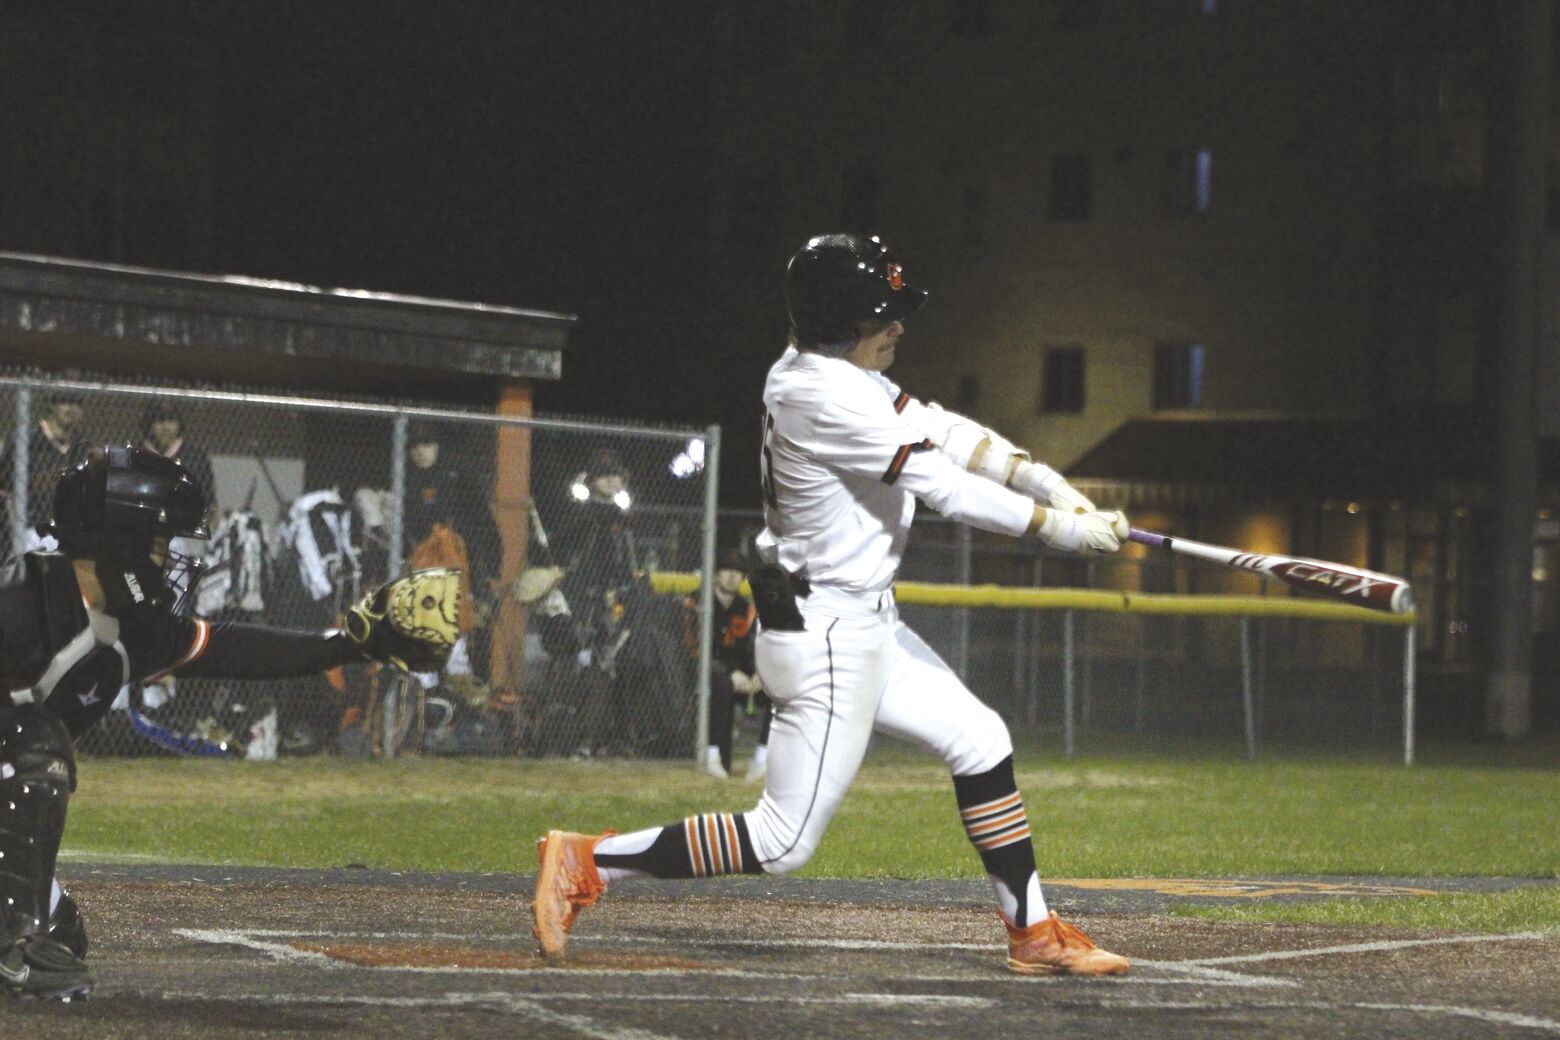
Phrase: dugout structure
[183,330]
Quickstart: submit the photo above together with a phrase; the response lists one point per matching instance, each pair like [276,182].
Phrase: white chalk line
[1189,974]
[1508,1018]
[530,1006]
[1380,946]
[108,856]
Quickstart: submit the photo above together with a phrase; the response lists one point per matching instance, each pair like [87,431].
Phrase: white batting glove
[1068,499]
[1046,486]
[1100,531]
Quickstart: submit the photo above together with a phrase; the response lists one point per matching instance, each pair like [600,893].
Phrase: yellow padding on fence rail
[921,593]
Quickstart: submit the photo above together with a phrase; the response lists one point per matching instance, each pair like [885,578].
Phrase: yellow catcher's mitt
[411,622]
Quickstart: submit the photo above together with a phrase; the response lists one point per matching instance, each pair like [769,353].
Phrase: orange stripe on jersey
[900,401]
[901,457]
[897,466]
[197,647]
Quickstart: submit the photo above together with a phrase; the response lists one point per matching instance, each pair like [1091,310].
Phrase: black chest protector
[53,651]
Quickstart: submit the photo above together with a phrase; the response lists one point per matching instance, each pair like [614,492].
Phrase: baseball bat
[1335,581]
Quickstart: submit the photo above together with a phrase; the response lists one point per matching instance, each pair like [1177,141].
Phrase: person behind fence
[77,624]
[845,455]
[56,442]
[599,575]
[163,430]
[733,677]
[448,523]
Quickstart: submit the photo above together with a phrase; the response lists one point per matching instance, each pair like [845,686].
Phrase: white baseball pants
[856,668]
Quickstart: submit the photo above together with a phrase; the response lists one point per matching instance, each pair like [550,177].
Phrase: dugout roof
[57,313]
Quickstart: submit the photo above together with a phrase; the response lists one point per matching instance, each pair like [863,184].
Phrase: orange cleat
[1054,947]
[566,883]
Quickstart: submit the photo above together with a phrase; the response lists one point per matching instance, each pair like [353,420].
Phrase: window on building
[1188,181]
[1077,14]
[1072,186]
[966,398]
[1178,375]
[859,202]
[973,231]
[1061,381]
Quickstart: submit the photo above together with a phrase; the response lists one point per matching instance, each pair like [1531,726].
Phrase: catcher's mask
[121,507]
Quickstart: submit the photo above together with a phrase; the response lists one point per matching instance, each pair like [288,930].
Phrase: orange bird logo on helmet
[896,277]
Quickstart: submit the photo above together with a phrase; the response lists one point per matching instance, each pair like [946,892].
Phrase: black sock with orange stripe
[700,846]
[994,818]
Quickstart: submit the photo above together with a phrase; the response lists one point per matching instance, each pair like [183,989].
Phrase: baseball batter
[846,454]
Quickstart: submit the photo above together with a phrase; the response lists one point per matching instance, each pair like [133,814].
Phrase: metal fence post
[1086,708]
[1245,687]
[1140,705]
[1067,683]
[1408,694]
[396,521]
[707,589]
[19,467]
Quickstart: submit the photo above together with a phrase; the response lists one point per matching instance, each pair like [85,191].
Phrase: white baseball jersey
[842,468]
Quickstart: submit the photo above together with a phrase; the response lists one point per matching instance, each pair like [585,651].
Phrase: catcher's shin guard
[37,774]
[66,926]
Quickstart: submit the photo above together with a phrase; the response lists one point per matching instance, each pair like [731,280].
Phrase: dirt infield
[210,953]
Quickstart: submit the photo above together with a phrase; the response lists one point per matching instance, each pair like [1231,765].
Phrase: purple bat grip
[1142,537]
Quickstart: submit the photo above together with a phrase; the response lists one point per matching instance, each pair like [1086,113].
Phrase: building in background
[1227,263]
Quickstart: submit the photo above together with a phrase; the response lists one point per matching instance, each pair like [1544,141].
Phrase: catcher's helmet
[835,281]
[113,506]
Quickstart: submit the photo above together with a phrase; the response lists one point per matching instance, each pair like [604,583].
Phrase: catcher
[78,624]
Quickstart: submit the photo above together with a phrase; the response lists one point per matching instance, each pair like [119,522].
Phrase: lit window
[1178,375]
[1187,187]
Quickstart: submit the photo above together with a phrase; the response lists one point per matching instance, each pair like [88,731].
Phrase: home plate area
[292,953]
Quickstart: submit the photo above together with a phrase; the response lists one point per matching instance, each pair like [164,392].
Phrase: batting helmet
[835,282]
[112,506]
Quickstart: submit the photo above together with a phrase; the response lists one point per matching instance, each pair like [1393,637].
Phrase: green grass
[1474,811]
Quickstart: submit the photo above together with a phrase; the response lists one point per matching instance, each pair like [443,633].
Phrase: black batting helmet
[836,281]
[114,504]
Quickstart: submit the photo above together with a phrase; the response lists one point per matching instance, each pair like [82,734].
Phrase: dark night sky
[544,155]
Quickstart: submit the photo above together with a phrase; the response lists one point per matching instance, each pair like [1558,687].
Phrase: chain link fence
[1291,680]
[314,503]
[567,651]
[1251,680]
